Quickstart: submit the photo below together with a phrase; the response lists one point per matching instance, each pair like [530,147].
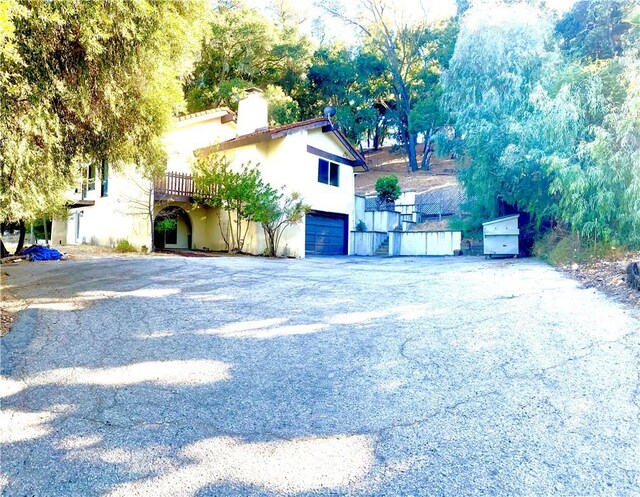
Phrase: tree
[277,215]
[501,96]
[83,82]
[354,81]
[243,49]
[401,40]
[388,189]
[241,194]
[594,29]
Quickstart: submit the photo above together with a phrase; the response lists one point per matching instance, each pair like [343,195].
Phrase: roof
[502,218]
[216,112]
[284,130]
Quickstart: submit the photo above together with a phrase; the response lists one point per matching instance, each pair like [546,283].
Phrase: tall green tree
[401,39]
[83,82]
[499,94]
[243,49]
[354,81]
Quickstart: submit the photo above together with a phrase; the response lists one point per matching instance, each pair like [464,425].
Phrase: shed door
[326,234]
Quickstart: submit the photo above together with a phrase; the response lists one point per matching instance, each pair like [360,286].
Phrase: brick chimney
[252,113]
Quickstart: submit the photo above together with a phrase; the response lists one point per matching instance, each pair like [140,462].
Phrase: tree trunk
[410,147]
[426,154]
[23,232]
[46,231]
[3,250]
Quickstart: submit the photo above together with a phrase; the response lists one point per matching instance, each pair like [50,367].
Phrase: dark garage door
[326,234]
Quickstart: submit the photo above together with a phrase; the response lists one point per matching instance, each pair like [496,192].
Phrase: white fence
[366,242]
[424,242]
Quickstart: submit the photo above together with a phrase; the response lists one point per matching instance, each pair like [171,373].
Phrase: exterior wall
[122,214]
[192,134]
[424,242]
[204,224]
[381,220]
[367,242]
[285,163]
[359,206]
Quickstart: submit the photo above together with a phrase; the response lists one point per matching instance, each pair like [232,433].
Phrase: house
[313,158]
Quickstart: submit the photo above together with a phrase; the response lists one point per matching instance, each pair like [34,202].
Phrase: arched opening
[172,229]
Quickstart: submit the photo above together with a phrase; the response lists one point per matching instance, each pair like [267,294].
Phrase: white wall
[285,163]
[424,242]
[367,242]
[381,220]
[192,134]
[121,215]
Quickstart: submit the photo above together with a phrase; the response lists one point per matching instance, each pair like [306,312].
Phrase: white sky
[335,29]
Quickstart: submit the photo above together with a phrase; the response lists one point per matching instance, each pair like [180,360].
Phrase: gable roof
[282,131]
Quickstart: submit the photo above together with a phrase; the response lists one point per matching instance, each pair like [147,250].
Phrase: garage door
[326,234]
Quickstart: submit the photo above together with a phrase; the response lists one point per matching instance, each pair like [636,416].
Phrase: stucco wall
[122,214]
[187,136]
[285,163]
[367,242]
[424,242]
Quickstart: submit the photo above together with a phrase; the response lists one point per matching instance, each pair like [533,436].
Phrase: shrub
[123,246]
[561,247]
[388,188]
[361,226]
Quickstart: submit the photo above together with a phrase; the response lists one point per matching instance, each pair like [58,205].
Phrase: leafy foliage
[388,188]
[82,82]
[241,194]
[550,134]
[277,215]
[244,49]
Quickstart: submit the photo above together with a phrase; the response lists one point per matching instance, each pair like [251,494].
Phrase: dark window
[323,171]
[328,173]
[104,175]
[333,174]
[92,177]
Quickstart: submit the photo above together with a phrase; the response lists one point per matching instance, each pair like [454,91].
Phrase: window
[328,173]
[104,175]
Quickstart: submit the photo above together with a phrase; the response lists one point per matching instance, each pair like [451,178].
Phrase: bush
[361,226]
[388,188]
[123,246]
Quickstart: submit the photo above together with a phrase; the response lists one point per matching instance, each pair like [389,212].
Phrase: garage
[326,234]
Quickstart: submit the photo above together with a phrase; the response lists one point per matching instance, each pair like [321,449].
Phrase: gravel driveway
[162,376]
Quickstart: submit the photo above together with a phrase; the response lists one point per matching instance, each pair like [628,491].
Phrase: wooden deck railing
[180,186]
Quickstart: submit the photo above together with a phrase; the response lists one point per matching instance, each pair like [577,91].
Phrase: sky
[335,29]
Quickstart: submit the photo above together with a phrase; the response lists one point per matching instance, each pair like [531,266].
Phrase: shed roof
[502,218]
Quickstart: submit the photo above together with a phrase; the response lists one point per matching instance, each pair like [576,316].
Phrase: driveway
[162,376]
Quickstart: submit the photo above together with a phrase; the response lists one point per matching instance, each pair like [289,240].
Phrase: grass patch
[561,247]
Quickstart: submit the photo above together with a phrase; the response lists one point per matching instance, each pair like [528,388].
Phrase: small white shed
[501,236]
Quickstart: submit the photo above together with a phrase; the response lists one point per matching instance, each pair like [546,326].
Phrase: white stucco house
[313,158]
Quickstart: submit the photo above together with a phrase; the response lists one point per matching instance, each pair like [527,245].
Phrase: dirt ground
[609,276]
[383,162]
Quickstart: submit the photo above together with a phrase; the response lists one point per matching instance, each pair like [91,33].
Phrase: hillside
[383,162]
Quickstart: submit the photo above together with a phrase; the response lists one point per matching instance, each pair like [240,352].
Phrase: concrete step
[383,249]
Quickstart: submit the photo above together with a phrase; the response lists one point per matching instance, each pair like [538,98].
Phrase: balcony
[178,187]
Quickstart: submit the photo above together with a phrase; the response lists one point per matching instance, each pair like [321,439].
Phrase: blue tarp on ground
[40,253]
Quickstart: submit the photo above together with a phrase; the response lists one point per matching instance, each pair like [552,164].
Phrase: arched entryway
[172,229]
